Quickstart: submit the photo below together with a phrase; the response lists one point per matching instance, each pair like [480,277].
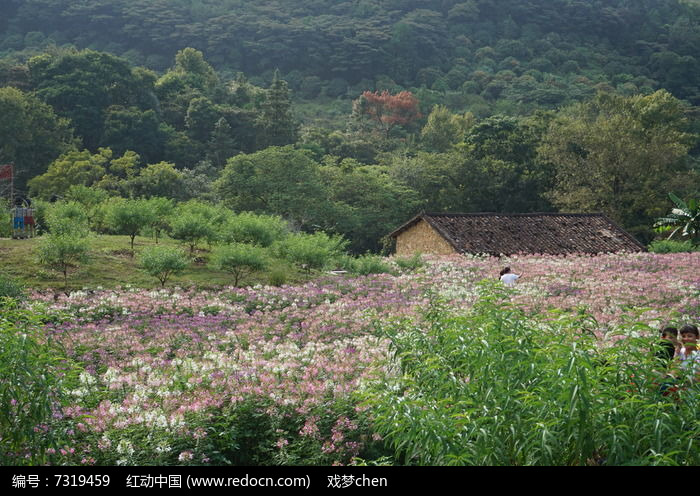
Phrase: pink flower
[185,456]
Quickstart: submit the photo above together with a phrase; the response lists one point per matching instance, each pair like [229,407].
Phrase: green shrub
[672,246]
[256,431]
[190,229]
[410,264]
[5,220]
[370,264]
[278,277]
[497,386]
[162,262]
[41,212]
[310,251]
[343,262]
[195,221]
[67,218]
[10,287]
[240,259]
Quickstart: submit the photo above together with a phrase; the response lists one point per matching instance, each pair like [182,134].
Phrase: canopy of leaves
[31,134]
[619,156]
[275,181]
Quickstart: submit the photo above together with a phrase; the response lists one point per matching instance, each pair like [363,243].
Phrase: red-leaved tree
[388,110]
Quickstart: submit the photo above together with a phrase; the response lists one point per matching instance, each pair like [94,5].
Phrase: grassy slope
[111,265]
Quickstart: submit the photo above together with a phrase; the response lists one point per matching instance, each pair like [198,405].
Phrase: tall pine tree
[222,144]
[276,122]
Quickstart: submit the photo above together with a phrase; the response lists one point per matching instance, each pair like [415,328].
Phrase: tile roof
[546,233]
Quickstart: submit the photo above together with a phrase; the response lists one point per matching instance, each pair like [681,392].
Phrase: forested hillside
[351,116]
[532,51]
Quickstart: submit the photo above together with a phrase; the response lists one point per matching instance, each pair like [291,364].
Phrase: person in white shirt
[508,278]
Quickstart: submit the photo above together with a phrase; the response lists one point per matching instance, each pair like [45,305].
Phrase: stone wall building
[508,234]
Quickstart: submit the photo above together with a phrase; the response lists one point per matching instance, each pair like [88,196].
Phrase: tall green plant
[30,385]
[10,287]
[685,218]
[498,387]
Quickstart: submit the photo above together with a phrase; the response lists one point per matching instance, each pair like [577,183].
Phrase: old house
[507,234]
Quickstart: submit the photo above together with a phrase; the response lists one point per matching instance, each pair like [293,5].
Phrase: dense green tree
[69,218]
[191,78]
[501,61]
[191,229]
[159,212]
[83,85]
[318,44]
[420,32]
[161,179]
[310,251]
[180,149]
[435,177]
[196,221]
[31,135]
[275,181]
[102,170]
[197,72]
[250,228]
[503,138]
[88,197]
[72,168]
[133,129]
[445,129]
[367,204]
[201,117]
[619,155]
[91,200]
[199,182]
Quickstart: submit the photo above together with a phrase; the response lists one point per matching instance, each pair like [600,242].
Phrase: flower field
[275,375]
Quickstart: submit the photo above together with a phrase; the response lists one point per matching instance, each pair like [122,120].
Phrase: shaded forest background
[520,106]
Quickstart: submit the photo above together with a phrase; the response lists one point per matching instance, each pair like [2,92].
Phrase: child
[689,355]
[689,339]
[669,345]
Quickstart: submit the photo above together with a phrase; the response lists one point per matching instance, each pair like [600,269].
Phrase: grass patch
[111,265]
